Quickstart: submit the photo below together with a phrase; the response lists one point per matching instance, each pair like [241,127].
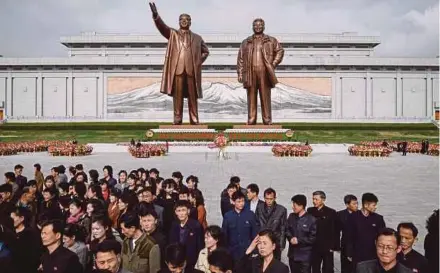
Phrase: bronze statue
[182,72]
[258,57]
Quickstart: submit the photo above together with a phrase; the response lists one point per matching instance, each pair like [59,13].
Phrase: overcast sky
[32,28]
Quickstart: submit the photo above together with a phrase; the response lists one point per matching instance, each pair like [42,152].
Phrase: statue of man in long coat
[182,71]
[258,57]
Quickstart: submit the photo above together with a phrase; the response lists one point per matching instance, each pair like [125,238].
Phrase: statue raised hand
[153,9]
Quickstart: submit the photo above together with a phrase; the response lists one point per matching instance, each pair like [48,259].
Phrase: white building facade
[117,77]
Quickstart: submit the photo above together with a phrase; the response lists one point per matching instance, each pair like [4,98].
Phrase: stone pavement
[407,187]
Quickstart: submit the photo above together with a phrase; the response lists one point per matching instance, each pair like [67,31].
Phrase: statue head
[258,26]
[184,21]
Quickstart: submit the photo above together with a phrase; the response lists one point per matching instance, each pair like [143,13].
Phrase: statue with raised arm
[182,71]
[258,57]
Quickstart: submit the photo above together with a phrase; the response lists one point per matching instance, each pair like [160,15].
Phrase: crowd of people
[139,222]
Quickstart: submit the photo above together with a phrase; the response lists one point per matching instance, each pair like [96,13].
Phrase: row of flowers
[369,151]
[70,149]
[412,147]
[55,148]
[280,150]
[147,150]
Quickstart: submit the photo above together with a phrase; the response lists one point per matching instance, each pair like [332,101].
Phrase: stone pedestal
[258,126]
[183,126]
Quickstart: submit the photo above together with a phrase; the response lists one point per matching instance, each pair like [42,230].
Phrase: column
[338,96]
[39,96]
[104,84]
[334,92]
[69,96]
[100,98]
[399,95]
[8,96]
[429,93]
[368,96]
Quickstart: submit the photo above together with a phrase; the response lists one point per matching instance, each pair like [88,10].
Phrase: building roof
[224,61]
[294,38]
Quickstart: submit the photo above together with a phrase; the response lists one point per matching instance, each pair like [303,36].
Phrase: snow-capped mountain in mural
[221,98]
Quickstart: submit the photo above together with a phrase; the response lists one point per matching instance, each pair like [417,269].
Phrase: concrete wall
[355,94]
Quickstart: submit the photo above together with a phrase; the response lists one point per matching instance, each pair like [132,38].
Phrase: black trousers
[346,265]
[324,258]
[299,267]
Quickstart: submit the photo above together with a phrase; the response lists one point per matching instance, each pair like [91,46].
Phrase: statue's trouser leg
[252,105]
[265,99]
[192,100]
[179,84]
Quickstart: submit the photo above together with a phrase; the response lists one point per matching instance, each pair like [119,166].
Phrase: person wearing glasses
[387,248]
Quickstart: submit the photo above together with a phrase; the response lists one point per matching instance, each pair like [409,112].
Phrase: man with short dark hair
[270,215]
[363,227]
[6,205]
[108,257]
[220,261]
[57,259]
[351,204]
[184,195]
[176,261]
[187,232]
[140,254]
[409,257]
[239,226]
[150,225]
[326,236]
[301,235]
[252,195]
[39,177]
[10,179]
[226,203]
[19,178]
[387,248]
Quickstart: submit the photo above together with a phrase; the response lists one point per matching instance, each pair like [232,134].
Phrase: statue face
[258,26]
[184,21]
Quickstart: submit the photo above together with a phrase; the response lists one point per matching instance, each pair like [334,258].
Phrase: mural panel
[223,98]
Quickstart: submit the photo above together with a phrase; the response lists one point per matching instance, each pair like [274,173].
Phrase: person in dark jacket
[363,227]
[408,256]
[176,260]
[184,195]
[239,227]
[226,203]
[326,235]
[19,178]
[220,261]
[226,194]
[265,260]
[27,243]
[6,206]
[301,234]
[252,195]
[432,241]
[270,215]
[5,252]
[351,204]
[108,176]
[387,249]
[57,259]
[187,232]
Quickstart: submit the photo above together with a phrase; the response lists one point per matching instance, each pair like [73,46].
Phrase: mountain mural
[219,98]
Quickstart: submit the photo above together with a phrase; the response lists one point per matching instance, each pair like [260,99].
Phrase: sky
[407,28]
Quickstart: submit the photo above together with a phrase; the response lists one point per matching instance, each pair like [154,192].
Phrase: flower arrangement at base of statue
[13,148]
[70,149]
[292,150]
[147,150]
[434,150]
[369,151]
[221,141]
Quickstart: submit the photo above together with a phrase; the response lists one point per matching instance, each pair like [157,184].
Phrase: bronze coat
[199,52]
[273,54]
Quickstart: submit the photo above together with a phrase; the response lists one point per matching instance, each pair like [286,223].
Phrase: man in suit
[326,235]
[351,204]
[182,73]
[108,257]
[252,195]
[409,257]
[258,57]
[187,232]
[387,248]
[19,178]
[362,229]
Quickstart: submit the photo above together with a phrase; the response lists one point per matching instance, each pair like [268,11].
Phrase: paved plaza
[407,187]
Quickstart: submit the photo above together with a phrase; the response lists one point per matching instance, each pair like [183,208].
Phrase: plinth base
[179,133]
[183,126]
[258,126]
[257,134]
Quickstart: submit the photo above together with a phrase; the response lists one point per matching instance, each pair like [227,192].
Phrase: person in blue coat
[239,226]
